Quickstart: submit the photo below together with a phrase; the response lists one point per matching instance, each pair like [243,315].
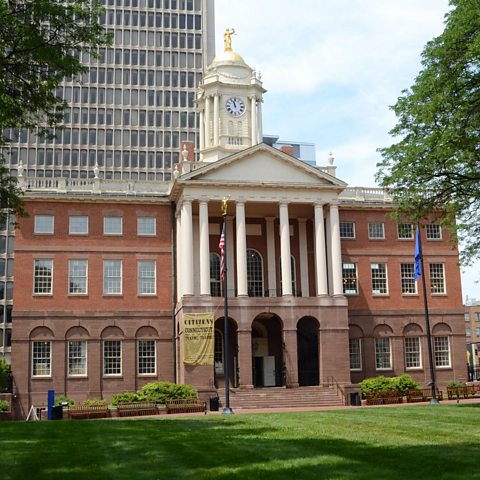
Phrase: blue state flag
[418,255]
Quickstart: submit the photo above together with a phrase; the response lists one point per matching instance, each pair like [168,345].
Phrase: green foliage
[381,384]
[126,397]
[434,168]
[453,383]
[161,391]
[4,366]
[4,406]
[94,402]
[63,399]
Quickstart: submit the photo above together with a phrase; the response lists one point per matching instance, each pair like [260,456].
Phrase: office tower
[133,108]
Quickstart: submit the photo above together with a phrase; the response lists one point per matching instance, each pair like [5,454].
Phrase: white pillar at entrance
[285,250]
[179,257]
[230,257]
[320,253]
[204,248]
[242,285]
[216,113]
[207,122]
[187,248]
[302,240]
[260,122]
[253,121]
[202,131]
[272,271]
[336,250]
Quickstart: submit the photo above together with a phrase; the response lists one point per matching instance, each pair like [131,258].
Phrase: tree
[40,44]
[435,166]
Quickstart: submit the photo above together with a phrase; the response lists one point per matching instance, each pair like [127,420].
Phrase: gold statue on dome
[227,38]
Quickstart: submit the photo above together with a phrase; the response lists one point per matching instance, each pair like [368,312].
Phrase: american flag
[221,246]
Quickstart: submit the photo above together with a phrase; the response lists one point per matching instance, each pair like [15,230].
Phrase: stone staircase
[281,397]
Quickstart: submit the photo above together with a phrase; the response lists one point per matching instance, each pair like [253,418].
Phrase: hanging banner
[198,338]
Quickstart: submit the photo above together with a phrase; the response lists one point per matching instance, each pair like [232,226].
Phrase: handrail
[332,382]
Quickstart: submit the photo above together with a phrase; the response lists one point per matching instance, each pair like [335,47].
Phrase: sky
[332,69]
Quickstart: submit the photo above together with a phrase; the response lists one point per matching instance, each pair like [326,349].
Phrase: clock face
[235,106]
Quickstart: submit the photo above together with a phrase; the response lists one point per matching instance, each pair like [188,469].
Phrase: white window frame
[78,225]
[342,233]
[433,231]
[437,352]
[355,355]
[146,358]
[218,352]
[37,360]
[434,278]
[378,353]
[216,284]
[345,267]
[110,278]
[402,235]
[477,331]
[144,281]
[376,231]
[112,358]
[378,277]
[77,363]
[408,278]
[112,225]
[144,224]
[45,277]
[468,332]
[413,353]
[44,225]
[78,275]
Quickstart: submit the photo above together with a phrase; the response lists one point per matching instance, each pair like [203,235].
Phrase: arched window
[215,283]
[218,352]
[254,273]
[293,269]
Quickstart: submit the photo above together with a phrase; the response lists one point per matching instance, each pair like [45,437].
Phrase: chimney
[288,149]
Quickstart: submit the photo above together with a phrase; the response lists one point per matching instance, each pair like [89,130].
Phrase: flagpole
[226,408]
[418,247]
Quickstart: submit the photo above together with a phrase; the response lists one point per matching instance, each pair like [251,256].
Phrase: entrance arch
[268,362]
[219,353]
[307,351]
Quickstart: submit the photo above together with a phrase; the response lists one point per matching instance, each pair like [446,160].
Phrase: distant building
[304,151]
[472,333]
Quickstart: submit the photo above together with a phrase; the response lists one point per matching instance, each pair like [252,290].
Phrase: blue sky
[331,69]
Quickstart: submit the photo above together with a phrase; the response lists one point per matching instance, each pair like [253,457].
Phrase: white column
[202,131]
[336,250]
[204,248]
[271,264]
[187,248]
[260,121]
[207,122]
[253,121]
[216,114]
[179,257]
[320,252]
[242,285]
[285,250]
[230,257]
[302,240]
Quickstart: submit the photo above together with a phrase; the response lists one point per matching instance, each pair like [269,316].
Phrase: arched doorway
[307,352]
[268,362]
[219,353]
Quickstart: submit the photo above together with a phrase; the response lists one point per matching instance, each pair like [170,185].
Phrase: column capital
[319,204]
[334,203]
[270,219]
[283,202]
[302,220]
[203,201]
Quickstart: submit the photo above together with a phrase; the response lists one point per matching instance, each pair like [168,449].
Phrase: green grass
[418,442]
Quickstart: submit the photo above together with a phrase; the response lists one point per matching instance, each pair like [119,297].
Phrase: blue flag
[418,255]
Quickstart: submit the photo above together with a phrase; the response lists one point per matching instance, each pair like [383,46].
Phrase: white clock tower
[230,105]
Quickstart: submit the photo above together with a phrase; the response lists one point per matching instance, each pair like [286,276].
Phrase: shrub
[160,391]
[381,384]
[4,366]
[93,402]
[453,383]
[405,382]
[126,397]
[4,406]
[63,399]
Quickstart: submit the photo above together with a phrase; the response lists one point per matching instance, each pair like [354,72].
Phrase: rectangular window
[112,226]
[379,278]
[434,232]
[112,357]
[405,231]
[43,277]
[41,359]
[355,350]
[43,224]
[78,225]
[347,230]
[477,316]
[146,226]
[468,332]
[112,277]
[477,331]
[147,277]
[407,275]
[383,357]
[147,357]
[350,283]
[437,278]
[77,276]
[77,358]
[442,352]
[376,231]
[467,317]
[413,357]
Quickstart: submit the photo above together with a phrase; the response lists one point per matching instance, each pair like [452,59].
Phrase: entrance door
[269,371]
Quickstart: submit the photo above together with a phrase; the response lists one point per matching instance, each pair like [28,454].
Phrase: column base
[293,385]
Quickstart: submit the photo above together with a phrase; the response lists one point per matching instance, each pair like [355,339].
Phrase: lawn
[417,442]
